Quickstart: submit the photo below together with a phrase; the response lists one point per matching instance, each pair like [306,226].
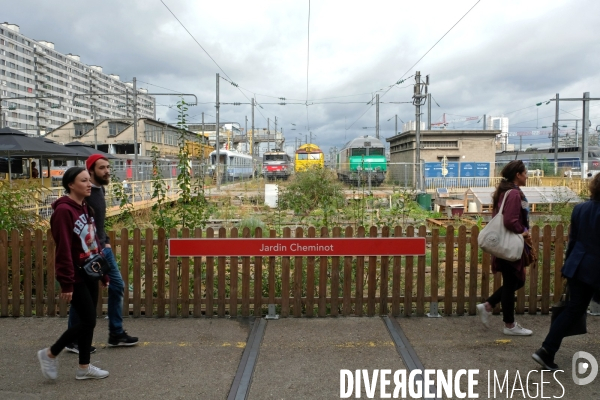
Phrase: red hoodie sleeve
[512,212]
[61,226]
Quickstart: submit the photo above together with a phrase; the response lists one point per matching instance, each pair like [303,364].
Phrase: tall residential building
[501,124]
[34,69]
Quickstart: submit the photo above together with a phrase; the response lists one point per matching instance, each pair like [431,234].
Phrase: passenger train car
[308,156]
[360,159]
[277,164]
[236,165]
[569,158]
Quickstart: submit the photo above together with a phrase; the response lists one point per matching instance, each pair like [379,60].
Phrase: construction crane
[443,124]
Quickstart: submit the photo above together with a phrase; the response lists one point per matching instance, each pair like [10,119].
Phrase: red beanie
[92,159]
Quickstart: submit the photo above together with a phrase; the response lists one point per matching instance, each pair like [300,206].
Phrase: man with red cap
[99,169]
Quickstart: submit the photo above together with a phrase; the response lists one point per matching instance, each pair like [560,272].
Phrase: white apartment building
[33,68]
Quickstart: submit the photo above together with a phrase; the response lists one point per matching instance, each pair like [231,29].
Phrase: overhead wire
[203,49]
[419,60]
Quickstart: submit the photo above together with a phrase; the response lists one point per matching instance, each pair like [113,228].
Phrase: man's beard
[102,181]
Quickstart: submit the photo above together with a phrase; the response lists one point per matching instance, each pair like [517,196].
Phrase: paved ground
[299,358]
[463,342]
[178,359]
[302,358]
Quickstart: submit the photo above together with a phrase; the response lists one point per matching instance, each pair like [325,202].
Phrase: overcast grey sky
[503,56]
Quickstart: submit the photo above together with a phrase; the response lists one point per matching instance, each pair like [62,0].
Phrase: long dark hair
[509,173]
[69,177]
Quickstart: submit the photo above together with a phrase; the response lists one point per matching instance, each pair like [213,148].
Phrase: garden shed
[479,199]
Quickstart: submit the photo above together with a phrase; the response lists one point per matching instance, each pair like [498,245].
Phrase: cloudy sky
[502,58]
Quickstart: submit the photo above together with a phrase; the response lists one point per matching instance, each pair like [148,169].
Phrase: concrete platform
[175,359]
[299,358]
[302,358]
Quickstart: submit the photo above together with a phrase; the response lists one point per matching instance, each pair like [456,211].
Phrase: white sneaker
[517,330]
[49,365]
[484,315]
[91,372]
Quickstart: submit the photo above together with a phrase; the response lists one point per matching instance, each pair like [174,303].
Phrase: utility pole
[95,130]
[429,111]
[217,138]
[276,129]
[135,127]
[246,129]
[377,116]
[418,98]
[268,134]
[252,141]
[484,122]
[521,143]
[396,126]
[584,129]
[585,134]
[555,137]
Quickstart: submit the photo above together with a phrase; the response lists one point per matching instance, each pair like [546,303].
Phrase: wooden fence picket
[342,284]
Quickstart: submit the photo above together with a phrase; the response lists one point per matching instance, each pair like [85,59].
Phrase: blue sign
[471,173]
[434,170]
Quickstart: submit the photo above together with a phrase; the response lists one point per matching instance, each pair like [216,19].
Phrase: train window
[302,156]
[274,157]
[376,152]
[314,156]
[594,154]
[359,151]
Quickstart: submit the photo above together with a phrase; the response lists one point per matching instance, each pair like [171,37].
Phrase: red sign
[297,247]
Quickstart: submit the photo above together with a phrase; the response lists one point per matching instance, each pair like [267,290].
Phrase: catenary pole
[252,141]
[555,136]
[429,111]
[377,116]
[585,134]
[135,130]
[95,128]
[217,146]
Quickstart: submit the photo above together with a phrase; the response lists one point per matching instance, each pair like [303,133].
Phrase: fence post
[384,278]
[435,281]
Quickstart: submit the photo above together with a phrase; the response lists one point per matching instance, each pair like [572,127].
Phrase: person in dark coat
[582,270]
[516,212]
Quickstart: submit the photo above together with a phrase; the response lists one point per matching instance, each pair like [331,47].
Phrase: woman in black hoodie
[74,233]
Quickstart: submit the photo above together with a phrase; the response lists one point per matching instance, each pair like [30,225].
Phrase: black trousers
[506,294]
[581,295]
[84,301]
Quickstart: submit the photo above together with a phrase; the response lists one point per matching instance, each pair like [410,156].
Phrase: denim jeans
[581,295]
[115,297]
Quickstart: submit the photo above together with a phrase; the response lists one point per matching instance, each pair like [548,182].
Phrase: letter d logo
[583,367]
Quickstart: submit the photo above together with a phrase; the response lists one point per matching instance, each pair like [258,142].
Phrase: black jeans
[581,295]
[84,301]
[506,294]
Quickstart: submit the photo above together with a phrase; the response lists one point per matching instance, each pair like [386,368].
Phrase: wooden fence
[156,285]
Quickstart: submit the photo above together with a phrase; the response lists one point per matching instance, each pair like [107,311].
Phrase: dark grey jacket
[583,252]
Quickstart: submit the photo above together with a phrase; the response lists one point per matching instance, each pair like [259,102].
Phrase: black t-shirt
[98,203]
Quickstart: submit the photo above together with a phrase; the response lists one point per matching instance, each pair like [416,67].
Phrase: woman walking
[74,233]
[516,211]
[582,270]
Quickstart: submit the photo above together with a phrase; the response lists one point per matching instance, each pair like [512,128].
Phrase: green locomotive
[360,159]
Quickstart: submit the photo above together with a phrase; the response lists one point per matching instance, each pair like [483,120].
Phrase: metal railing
[139,194]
